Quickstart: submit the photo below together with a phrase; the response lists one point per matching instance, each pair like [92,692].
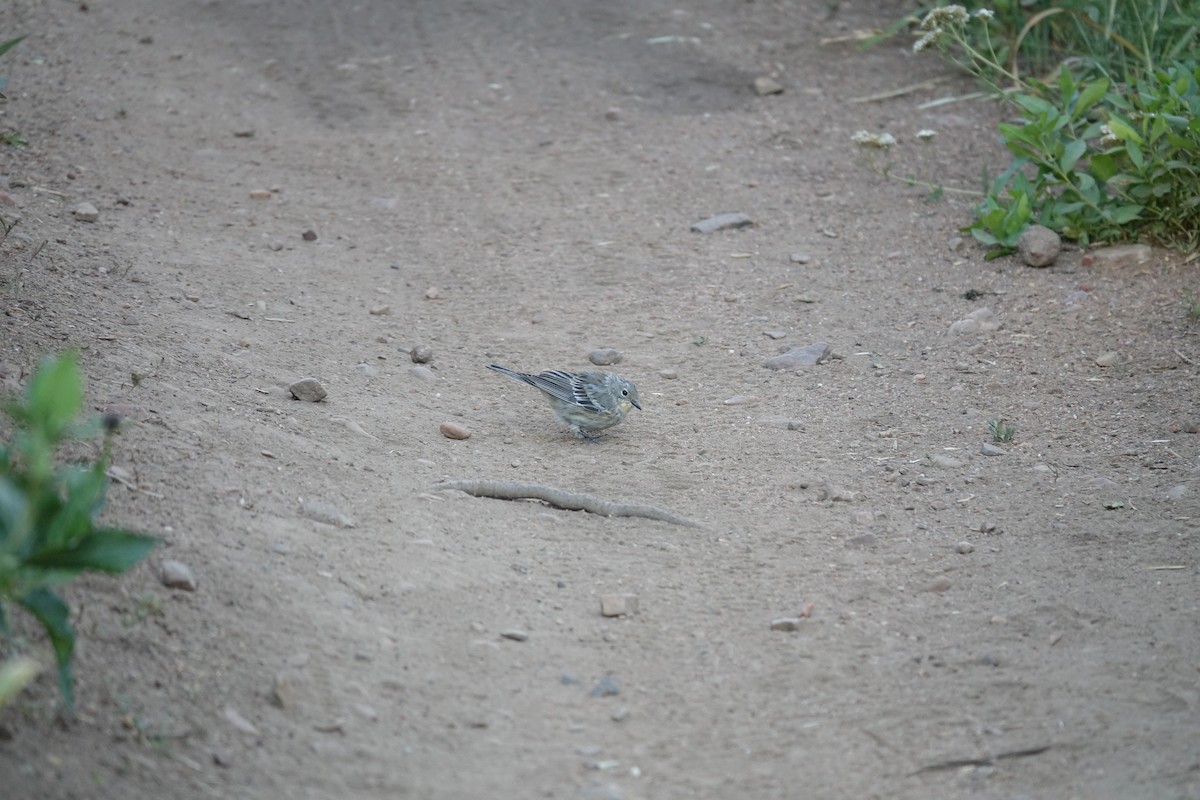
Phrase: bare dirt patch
[515,183]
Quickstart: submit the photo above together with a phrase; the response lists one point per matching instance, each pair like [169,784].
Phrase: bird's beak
[636,404]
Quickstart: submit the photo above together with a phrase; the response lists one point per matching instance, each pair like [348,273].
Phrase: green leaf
[1135,154]
[54,397]
[1122,215]
[1071,154]
[10,44]
[55,616]
[1088,97]
[104,549]
[1103,166]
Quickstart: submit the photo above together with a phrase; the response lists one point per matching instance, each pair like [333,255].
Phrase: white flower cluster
[875,141]
[926,135]
[1107,137]
[944,19]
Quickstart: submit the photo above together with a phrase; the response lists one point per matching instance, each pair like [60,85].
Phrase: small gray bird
[588,401]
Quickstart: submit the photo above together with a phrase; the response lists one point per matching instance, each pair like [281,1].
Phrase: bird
[588,402]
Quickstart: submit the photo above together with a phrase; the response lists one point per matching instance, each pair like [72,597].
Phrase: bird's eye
[624,393]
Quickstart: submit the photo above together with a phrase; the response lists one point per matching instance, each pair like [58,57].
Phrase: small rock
[605,356]
[741,400]
[452,430]
[948,462]
[989,449]
[619,714]
[86,212]
[795,425]
[421,354]
[616,605]
[800,357]
[223,758]
[422,373]
[941,584]
[308,389]
[309,235]
[238,721]
[786,624]
[721,222]
[1177,492]
[381,311]
[955,244]
[668,374]
[764,85]
[515,634]
[964,548]
[800,258]
[774,334]
[328,513]
[1109,359]
[176,575]
[260,194]
[607,686]
[432,293]
[981,320]
[612,114]
[1039,246]
[1122,255]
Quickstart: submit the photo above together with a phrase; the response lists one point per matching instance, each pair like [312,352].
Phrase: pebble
[381,311]
[795,425]
[668,374]
[964,548]
[764,85]
[989,449]
[941,584]
[432,293]
[606,686]
[308,389]
[86,212]
[774,334]
[981,320]
[421,354]
[176,575]
[1039,246]
[619,714]
[422,373]
[1109,359]
[786,624]
[617,605]
[940,460]
[452,430]
[800,258]
[605,356]
[1177,492]
[238,721]
[260,194]
[721,222]
[309,235]
[1122,255]
[223,758]
[515,634]
[741,400]
[800,357]
[328,513]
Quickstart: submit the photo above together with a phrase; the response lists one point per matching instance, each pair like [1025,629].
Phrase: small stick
[561,498]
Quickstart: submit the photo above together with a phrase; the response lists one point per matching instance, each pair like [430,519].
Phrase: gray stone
[1109,359]
[764,85]
[421,354]
[605,356]
[308,389]
[981,320]
[176,575]
[1039,246]
[721,222]
[515,634]
[86,212]
[990,449]
[786,624]
[607,686]
[800,357]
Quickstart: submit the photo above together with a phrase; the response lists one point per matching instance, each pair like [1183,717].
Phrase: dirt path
[514,183]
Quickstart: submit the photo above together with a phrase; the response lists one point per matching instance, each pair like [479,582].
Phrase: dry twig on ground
[561,498]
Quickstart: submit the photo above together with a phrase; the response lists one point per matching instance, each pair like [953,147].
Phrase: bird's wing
[565,386]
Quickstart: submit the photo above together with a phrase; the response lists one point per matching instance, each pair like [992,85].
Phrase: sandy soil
[514,183]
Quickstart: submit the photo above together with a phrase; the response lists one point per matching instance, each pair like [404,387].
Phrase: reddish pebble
[452,430]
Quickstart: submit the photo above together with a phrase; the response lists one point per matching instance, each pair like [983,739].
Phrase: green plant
[1192,304]
[1001,432]
[48,532]
[4,48]
[1095,158]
